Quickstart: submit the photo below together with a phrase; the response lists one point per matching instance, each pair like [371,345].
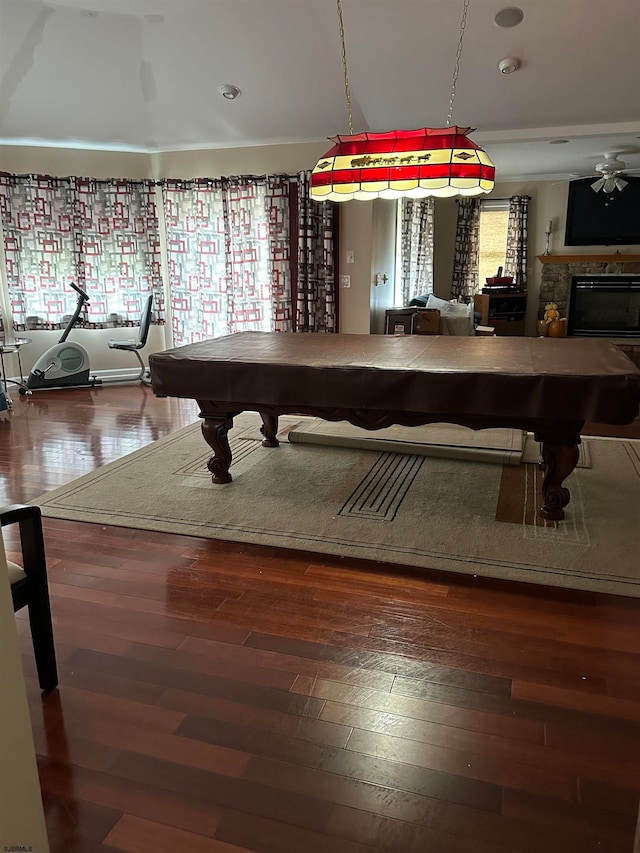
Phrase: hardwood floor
[224,698]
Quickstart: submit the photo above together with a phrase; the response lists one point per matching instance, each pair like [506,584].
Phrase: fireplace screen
[605,305]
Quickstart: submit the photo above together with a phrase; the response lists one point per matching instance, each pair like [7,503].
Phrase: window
[494,218]
[99,234]
[242,253]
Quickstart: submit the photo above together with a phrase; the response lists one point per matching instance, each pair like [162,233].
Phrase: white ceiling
[144,75]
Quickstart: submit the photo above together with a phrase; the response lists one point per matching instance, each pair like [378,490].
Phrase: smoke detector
[509,65]
[229,91]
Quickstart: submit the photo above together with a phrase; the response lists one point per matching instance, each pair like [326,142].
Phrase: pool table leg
[558,461]
[269,430]
[214,430]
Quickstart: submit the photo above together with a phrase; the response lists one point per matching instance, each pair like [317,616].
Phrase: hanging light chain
[344,67]
[456,70]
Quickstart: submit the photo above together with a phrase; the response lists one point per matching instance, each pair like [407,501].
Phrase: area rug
[452,515]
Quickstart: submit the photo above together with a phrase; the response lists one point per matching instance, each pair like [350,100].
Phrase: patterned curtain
[316,287]
[466,251]
[416,247]
[228,253]
[102,235]
[517,238]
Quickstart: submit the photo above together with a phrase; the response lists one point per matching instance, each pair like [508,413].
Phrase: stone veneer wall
[555,284]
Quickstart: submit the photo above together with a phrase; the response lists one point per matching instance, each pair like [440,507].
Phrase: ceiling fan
[611,172]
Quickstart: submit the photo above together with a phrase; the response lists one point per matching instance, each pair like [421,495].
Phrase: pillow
[449,309]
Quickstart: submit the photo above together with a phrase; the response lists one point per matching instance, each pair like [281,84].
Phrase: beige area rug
[431,512]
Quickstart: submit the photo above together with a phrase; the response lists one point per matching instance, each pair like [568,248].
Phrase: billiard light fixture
[413,163]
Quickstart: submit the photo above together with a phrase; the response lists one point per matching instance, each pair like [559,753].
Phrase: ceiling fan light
[596,186]
[620,184]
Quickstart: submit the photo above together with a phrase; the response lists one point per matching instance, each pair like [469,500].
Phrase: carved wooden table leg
[214,430]
[558,461]
[269,430]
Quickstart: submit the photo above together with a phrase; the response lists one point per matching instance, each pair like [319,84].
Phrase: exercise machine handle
[80,302]
[77,289]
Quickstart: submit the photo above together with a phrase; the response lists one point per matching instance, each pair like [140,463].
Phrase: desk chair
[137,344]
[29,588]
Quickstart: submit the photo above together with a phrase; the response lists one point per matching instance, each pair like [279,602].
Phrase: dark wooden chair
[29,587]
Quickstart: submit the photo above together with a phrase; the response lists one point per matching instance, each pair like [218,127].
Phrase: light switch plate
[345,281]
[351,258]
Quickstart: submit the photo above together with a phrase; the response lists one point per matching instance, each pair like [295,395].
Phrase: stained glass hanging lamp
[414,163]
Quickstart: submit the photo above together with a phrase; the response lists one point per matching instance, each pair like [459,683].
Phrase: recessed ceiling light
[511,16]
[229,91]
[558,141]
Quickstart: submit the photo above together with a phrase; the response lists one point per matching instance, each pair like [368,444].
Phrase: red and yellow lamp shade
[403,163]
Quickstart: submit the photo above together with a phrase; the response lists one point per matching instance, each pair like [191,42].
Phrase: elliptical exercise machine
[66,365]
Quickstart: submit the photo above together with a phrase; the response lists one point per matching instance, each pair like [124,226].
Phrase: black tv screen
[603,219]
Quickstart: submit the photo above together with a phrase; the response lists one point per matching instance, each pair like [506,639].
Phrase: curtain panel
[102,235]
[242,253]
[416,247]
[466,250]
[315,281]
[517,239]
[228,249]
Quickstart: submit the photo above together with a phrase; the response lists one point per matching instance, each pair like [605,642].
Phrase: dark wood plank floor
[227,698]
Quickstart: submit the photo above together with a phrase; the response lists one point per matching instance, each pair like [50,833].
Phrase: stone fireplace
[557,275]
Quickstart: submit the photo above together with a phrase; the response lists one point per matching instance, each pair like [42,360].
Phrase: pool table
[548,386]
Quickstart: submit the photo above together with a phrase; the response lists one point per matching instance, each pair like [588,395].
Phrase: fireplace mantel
[614,258]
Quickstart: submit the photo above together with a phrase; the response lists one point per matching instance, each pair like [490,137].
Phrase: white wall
[252,160]
[383,258]
[62,162]
[356,235]
[22,825]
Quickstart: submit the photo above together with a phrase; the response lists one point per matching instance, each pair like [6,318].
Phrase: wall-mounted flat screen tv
[603,219]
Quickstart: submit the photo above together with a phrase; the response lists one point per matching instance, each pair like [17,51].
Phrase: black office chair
[29,588]
[137,344]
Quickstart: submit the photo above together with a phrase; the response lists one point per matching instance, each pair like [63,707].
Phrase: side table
[12,348]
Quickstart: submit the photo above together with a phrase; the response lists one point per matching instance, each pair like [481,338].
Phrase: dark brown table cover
[510,377]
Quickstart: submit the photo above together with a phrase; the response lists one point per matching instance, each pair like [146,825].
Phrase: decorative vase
[543,329]
[558,328]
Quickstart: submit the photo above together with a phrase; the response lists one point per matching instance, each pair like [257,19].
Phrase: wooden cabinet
[504,311]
